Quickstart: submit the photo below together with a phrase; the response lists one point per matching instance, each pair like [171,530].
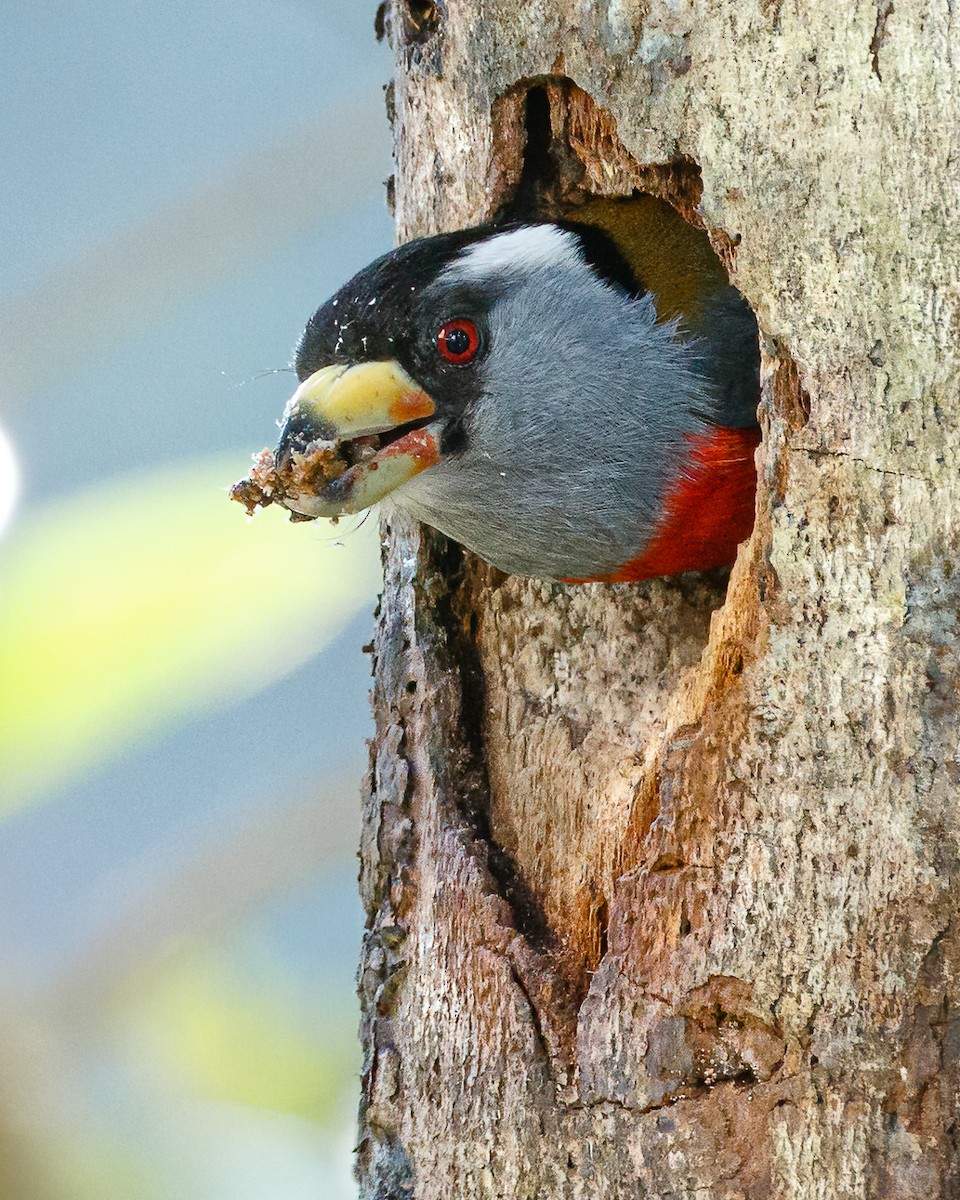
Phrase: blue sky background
[183,185]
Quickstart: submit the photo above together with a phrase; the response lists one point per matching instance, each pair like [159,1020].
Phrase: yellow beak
[345,402]
[358,408]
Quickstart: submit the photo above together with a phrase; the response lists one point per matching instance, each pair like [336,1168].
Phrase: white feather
[530,248]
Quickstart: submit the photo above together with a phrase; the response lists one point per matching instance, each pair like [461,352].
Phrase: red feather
[707,513]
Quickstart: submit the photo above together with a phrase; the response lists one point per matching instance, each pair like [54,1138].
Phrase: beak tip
[298,433]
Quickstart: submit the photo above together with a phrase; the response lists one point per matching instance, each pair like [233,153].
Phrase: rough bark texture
[662,879]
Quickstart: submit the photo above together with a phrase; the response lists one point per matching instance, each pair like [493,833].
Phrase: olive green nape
[673,259]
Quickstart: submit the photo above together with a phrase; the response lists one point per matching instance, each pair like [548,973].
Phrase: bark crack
[816,452]
[880,35]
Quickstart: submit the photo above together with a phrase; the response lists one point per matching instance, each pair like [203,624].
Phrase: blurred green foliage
[124,608]
[146,599]
[198,1019]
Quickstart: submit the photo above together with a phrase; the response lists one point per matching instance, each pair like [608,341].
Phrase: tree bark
[661,879]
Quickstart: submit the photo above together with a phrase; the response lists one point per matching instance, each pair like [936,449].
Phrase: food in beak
[380,422]
[300,474]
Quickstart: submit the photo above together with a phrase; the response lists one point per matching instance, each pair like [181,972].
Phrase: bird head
[511,387]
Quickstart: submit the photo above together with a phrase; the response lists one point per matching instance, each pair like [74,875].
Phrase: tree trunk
[662,878]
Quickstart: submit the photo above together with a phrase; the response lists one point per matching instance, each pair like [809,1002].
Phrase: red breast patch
[707,513]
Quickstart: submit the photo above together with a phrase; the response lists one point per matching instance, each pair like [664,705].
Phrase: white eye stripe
[530,248]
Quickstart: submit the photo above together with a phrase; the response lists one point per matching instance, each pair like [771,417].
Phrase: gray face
[556,478]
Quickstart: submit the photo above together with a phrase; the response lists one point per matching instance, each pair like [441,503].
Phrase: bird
[571,399]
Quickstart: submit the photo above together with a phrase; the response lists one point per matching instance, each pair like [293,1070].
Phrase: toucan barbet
[571,400]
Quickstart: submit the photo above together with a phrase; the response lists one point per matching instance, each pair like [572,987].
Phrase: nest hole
[560,158]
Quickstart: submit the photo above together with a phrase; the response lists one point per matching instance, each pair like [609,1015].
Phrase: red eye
[458,341]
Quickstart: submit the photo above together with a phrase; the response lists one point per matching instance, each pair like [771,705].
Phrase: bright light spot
[9,480]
